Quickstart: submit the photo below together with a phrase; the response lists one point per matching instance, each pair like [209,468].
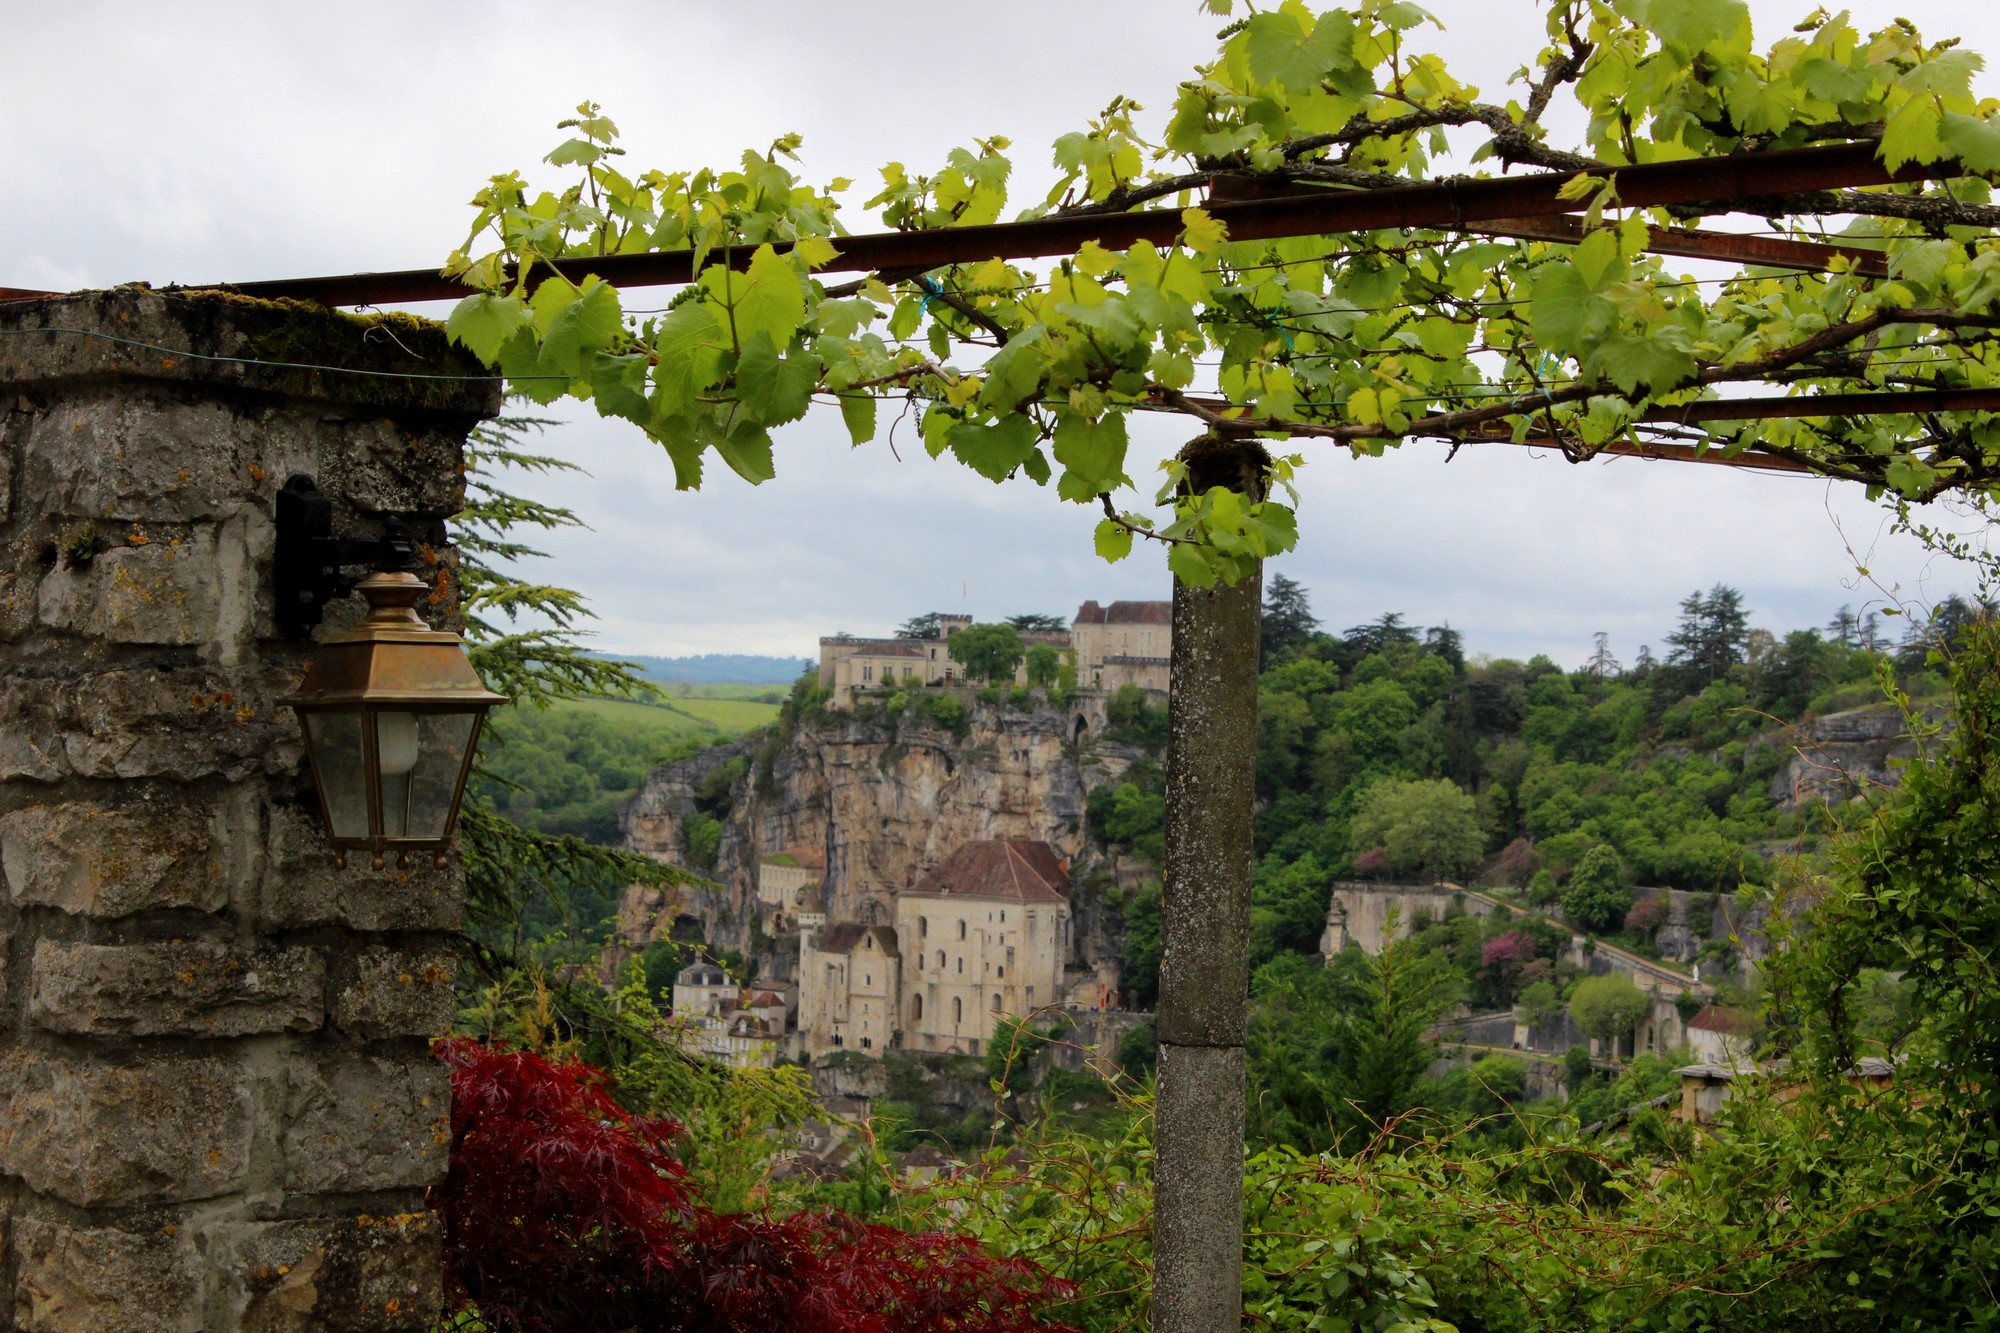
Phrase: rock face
[1842,755]
[883,800]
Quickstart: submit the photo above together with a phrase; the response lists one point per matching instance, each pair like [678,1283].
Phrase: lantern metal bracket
[309,558]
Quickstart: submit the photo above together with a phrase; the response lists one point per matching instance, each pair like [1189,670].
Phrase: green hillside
[568,768]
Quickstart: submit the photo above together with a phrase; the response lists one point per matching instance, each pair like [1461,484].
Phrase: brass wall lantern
[391,709]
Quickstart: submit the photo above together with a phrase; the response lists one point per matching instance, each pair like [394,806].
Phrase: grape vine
[1360,340]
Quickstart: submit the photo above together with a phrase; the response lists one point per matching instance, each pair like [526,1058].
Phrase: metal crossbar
[1449,205]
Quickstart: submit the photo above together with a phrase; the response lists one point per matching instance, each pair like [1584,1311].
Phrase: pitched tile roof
[1714,1018]
[1013,869]
[1126,613]
[843,938]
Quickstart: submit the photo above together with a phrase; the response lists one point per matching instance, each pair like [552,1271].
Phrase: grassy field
[751,692]
[676,716]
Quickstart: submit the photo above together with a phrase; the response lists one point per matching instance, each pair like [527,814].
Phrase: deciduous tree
[1429,828]
[1596,897]
[988,652]
[1044,665]
[1608,1007]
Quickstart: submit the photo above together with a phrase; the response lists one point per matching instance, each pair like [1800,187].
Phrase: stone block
[385,992]
[142,457]
[31,739]
[182,988]
[104,861]
[6,1009]
[393,467]
[303,887]
[12,424]
[347,1275]
[160,591]
[167,1129]
[17,604]
[188,723]
[71,1278]
[355,1123]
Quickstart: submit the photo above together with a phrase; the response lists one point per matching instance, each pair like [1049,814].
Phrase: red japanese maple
[562,1211]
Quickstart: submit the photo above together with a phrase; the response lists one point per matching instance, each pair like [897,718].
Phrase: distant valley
[715,668]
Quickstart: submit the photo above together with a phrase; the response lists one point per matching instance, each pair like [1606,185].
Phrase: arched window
[923,926]
[957,1010]
[916,1008]
[996,1002]
[961,928]
[961,962]
[940,957]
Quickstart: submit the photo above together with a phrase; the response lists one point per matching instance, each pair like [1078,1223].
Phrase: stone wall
[217,1110]
[1359,913]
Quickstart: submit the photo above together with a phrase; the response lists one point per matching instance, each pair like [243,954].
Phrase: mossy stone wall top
[196,327]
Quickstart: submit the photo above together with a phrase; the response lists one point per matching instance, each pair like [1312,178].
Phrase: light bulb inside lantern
[396,755]
[396,743]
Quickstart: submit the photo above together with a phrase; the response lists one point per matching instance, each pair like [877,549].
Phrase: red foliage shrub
[1502,960]
[1517,863]
[1510,951]
[1370,862]
[1647,915]
[562,1211]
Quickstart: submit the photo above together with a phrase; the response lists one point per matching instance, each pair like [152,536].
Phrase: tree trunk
[1205,962]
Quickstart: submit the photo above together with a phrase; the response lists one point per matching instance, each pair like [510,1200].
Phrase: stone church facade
[980,938]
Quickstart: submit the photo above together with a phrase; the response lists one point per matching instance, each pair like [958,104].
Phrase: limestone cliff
[1842,755]
[881,799]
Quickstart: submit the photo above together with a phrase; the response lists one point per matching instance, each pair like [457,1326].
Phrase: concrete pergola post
[217,1110]
[1205,915]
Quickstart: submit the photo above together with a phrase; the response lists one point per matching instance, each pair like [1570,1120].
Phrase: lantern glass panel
[343,777]
[421,756]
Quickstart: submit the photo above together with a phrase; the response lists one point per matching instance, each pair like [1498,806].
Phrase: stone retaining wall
[217,1110]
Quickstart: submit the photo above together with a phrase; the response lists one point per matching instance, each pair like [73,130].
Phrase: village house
[1720,1036]
[983,936]
[1706,1086]
[849,984]
[1125,643]
[702,989]
[716,1018]
[788,883]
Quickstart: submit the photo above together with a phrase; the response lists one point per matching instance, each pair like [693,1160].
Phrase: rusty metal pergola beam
[1683,242]
[1446,204]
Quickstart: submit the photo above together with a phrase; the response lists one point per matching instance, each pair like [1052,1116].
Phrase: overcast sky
[200,141]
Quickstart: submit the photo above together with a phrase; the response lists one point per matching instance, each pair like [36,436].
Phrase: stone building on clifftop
[1125,643]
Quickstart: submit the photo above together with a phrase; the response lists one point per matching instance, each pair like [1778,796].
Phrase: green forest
[1386,752]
